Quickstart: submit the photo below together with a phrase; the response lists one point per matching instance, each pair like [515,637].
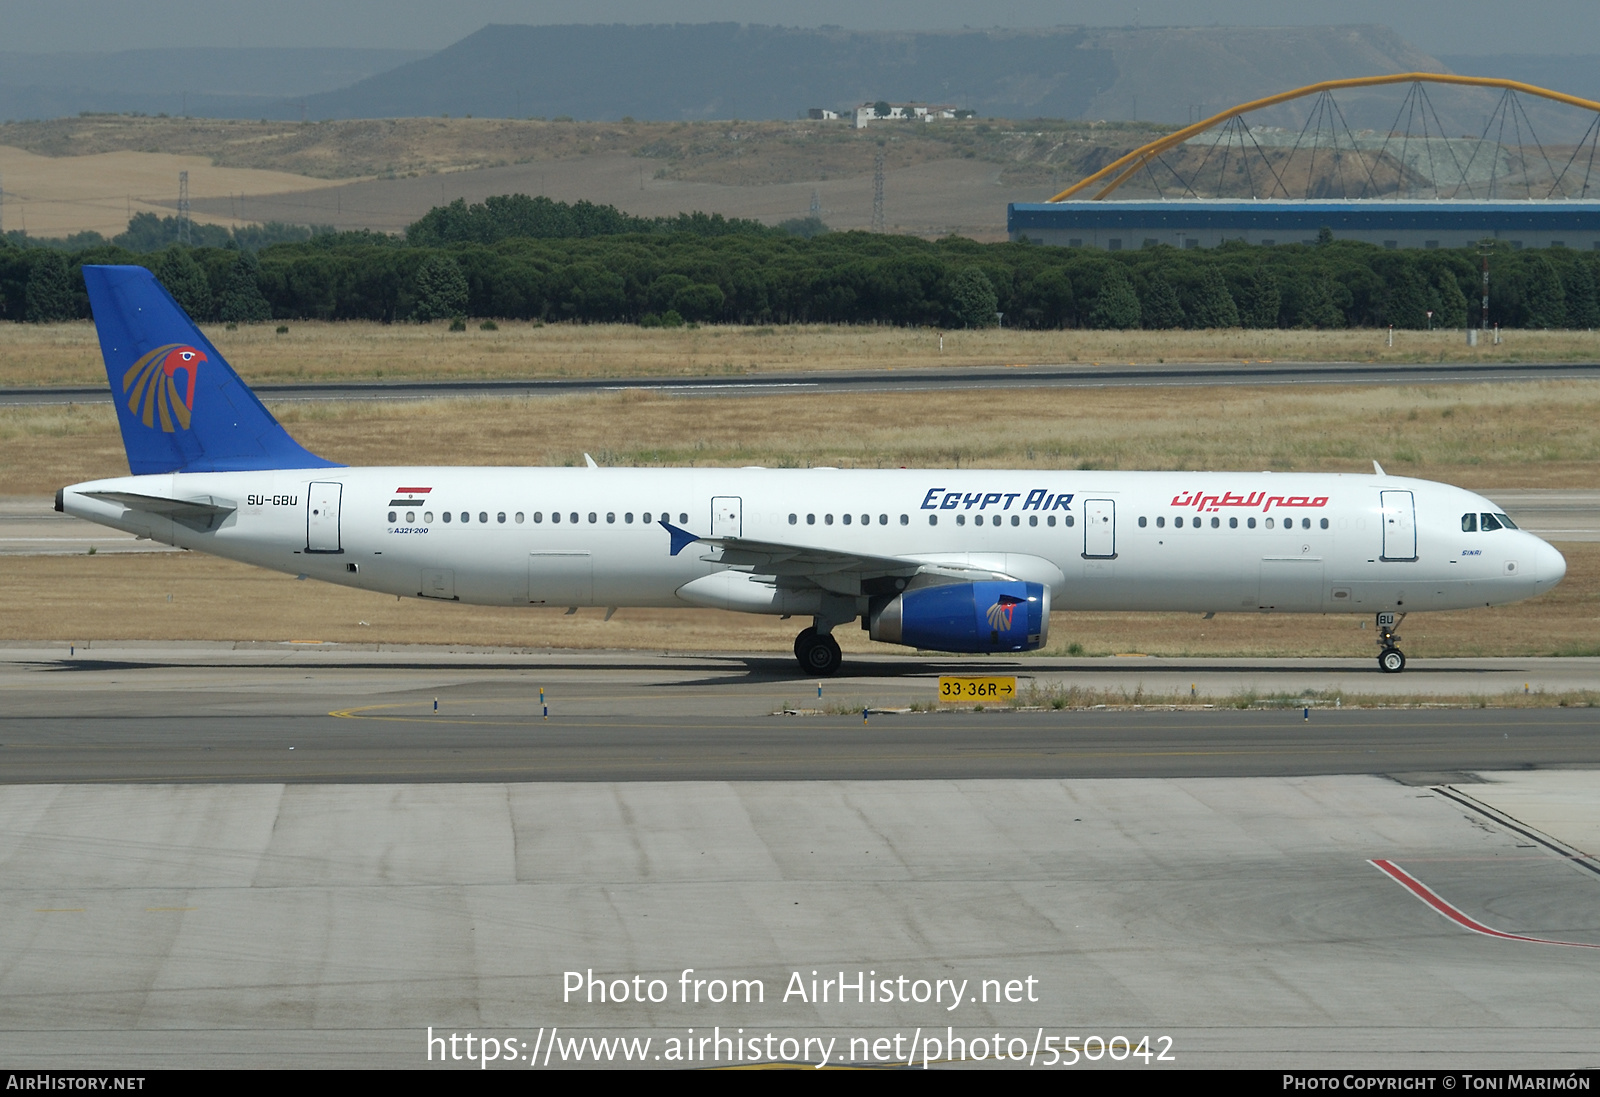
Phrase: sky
[1436,26]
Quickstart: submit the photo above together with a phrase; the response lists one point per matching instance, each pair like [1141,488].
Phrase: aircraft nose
[1550,566]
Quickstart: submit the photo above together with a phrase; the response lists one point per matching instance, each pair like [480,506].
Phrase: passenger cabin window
[1068,520]
[391,516]
[793,519]
[1233,523]
[1250,522]
[518,518]
[1143,521]
[447,516]
[905,519]
[501,518]
[465,517]
[847,519]
[1050,520]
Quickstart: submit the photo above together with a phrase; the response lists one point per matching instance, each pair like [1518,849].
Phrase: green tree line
[603,266]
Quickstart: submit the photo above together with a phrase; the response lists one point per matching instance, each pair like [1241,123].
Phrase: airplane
[969,561]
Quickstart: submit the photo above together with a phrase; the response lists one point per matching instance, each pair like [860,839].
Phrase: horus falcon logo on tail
[152,390]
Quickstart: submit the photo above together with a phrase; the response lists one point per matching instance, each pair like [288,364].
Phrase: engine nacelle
[997,615]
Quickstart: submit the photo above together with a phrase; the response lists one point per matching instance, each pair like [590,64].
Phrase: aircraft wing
[810,562]
[771,558]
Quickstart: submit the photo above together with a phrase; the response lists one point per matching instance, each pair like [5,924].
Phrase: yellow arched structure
[1126,167]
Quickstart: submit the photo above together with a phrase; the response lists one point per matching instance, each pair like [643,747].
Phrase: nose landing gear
[1391,660]
[818,653]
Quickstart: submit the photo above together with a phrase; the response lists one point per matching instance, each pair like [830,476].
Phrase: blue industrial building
[1205,223]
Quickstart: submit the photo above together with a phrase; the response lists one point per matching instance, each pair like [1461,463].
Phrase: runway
[895,380]
[418,716]
[179,888]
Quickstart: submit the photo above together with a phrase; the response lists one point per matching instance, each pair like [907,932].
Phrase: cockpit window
[1506,522]
[1469,523]
[1489,522]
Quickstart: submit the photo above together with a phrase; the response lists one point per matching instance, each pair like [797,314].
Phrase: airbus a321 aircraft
[970,561]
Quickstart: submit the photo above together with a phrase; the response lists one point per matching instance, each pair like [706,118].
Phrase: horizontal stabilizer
[168,508]
[200,515]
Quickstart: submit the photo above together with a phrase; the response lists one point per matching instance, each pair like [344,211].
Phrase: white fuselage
[1247,542]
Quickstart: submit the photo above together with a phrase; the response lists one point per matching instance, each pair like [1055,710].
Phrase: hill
[728,71]
[215,83]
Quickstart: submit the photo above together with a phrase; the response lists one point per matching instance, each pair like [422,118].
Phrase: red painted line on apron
[1428,896]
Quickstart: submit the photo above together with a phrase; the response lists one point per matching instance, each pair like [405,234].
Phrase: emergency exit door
[1099,528]
[726,516]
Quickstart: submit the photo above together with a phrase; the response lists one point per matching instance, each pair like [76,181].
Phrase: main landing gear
[1391,660]
[818,653]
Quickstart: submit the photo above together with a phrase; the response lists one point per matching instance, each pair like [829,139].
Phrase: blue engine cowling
[997,615]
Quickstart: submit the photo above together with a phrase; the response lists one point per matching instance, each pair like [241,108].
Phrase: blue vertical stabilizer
[180,405]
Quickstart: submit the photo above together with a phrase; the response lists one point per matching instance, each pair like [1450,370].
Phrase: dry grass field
[738,153]
[57,196]
[69,354]
[1535,435]
[384,174]
[187,596]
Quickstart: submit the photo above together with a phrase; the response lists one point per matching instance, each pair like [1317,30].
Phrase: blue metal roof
[1369,216]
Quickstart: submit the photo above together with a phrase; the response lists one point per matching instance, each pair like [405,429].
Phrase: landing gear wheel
[818,655]
[806,636]
[1391,660]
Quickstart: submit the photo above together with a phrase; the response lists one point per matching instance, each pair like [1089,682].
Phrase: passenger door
[322,517]
[1399,516]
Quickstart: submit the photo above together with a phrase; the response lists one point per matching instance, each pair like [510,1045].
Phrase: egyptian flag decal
[409,497]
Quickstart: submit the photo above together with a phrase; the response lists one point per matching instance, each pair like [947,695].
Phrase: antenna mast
[877,190]
[183,207]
